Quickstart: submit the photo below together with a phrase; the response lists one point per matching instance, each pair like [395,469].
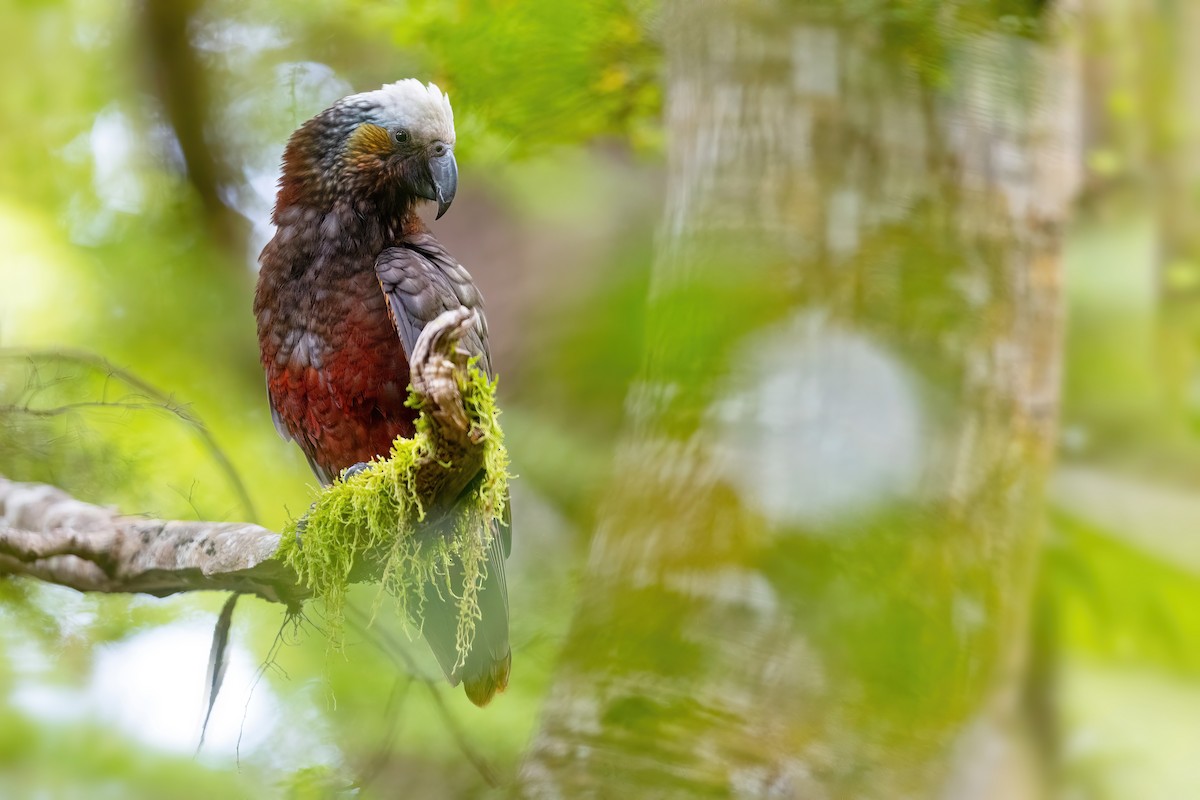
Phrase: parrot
[345,286]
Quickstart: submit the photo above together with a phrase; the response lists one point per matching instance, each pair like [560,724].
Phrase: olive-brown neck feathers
[331,159]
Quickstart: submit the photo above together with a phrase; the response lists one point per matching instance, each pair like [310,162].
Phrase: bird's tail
[485,685]
[485,670]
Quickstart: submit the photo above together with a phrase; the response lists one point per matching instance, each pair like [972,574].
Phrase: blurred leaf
[1120,602]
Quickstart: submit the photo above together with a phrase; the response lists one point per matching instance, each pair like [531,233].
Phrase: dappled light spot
[824,424]
[37,272]
[117,181]
[296,91]
[150,687]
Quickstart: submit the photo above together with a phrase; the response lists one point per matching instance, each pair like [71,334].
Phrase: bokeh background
[139,148]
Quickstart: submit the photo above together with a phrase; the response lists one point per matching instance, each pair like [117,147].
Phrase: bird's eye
[401,136]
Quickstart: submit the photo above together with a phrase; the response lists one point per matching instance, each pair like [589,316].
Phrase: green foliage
[524,75]
[377,514]
[40,759]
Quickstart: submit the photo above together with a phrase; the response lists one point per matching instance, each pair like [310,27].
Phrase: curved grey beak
[443,170]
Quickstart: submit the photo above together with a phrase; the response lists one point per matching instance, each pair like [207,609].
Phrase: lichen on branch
[381,524]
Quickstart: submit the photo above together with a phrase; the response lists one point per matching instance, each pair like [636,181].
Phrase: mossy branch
[49,535]
[420,520]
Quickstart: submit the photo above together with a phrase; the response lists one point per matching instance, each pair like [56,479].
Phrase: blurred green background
[139,146]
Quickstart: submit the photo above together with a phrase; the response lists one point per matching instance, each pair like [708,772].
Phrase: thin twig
[391,712]
[161,402]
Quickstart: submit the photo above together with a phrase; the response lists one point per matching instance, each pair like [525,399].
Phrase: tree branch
[47,534]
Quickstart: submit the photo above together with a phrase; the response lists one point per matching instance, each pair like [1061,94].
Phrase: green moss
[375,515]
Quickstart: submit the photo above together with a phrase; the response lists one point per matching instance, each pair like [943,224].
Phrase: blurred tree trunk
[813,573]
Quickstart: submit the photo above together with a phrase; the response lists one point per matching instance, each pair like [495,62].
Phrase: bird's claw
[301,524]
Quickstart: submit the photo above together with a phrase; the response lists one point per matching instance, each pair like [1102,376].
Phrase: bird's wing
[421,280]
[323,475]
[276,417]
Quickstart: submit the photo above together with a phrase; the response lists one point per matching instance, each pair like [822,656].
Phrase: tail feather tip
[483,687]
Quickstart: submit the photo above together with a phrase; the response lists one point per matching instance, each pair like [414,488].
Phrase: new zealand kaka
[346,286]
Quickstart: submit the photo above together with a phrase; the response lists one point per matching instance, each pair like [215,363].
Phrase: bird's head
[395,142]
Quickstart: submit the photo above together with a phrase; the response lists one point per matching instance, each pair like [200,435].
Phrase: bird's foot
[354,469]
[301,524]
